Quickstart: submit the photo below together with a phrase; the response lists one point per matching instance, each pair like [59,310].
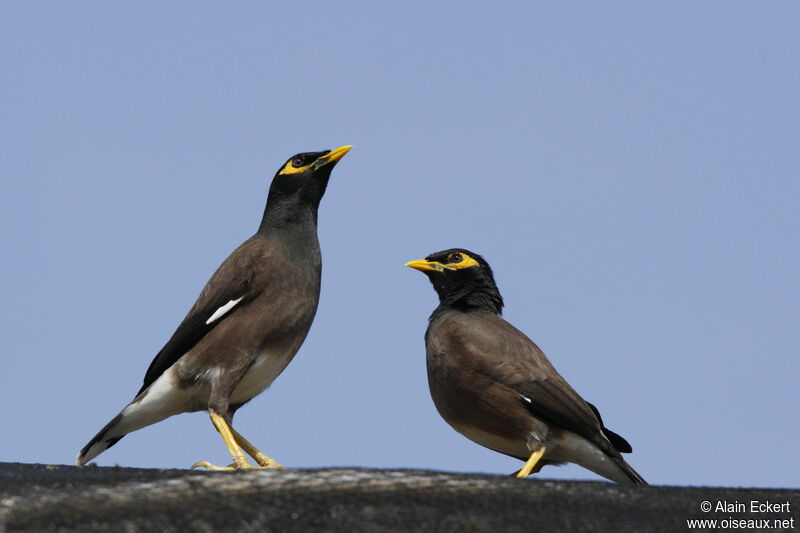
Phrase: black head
[299,185]
[462,279]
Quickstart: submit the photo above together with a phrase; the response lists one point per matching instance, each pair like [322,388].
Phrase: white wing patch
[219,313]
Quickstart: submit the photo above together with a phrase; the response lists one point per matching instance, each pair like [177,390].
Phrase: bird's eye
[455,258]
[297,162]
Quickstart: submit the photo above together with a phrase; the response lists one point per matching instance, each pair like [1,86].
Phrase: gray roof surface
[65,498]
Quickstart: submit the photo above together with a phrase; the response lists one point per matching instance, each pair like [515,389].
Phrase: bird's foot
[235,443]
[236,466]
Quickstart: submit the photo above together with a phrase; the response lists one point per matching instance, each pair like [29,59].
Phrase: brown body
[273,324]
[465,385]
[478,364]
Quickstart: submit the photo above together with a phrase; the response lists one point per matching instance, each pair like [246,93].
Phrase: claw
[211,467]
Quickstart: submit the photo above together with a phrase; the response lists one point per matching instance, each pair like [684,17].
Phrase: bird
[492,384]
[247,324]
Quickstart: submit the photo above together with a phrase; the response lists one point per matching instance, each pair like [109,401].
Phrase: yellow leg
[239,460]
[260,457]
[530,464]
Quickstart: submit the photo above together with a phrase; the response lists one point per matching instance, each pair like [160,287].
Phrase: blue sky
[631,173]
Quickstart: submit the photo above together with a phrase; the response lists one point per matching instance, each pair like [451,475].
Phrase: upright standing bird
[493,385]
[247,324]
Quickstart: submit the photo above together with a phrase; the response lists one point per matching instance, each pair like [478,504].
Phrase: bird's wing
[229,289]
[516,361]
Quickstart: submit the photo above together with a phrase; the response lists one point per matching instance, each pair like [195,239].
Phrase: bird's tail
[633,476]
[160,400]
[105,439]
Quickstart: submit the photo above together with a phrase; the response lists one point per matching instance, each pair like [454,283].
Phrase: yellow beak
[334,156]
[423,265]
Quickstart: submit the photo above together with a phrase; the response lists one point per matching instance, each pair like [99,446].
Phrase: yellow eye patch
[289,168]
[466,261]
